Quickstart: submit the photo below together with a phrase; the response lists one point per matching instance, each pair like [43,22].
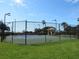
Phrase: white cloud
[72,1]
[18,3]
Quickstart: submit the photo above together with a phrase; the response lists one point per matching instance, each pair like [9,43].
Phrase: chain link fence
[33,32]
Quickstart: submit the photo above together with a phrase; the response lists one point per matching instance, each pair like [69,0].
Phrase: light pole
[6,14]
[55,23]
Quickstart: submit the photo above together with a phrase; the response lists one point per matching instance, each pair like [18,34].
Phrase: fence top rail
[34,22]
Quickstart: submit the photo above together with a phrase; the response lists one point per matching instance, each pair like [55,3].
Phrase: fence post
[44,23]
[70,33]
[45,34]
[15,26]
[56,25]
[25,32]
[12,32]
[59,32]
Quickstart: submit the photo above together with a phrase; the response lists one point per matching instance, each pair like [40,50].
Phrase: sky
[38,10]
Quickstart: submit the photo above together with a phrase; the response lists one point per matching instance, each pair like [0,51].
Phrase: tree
[44,22]
[3,28]
[38,31]
[65,25]
[69,29]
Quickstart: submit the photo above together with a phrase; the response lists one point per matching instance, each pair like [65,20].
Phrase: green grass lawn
[58,50]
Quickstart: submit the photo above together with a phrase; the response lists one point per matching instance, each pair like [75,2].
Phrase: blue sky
[38,10]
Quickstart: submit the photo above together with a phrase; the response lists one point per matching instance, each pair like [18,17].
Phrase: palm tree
[44,22]
[65,25]
[3,28]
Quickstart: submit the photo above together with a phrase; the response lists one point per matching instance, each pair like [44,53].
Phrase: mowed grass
[58,50]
